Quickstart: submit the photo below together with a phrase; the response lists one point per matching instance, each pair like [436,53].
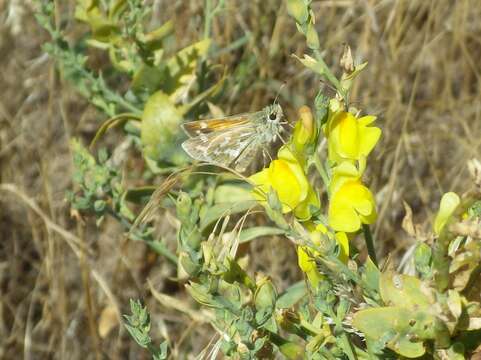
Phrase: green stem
[320,169]
[161,249]
[369,243]
[207,17]
[328,73]
[345,342]
[209,14]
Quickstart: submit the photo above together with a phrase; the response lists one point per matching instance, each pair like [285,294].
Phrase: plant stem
[321,170]
[369,243]
[209,14]
[207,17]
[328,73]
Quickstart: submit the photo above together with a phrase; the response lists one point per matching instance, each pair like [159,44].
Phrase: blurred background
[422,81]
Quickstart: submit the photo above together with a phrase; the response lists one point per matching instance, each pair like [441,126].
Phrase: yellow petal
[302,211]
[366,120]
[342,216]
[306,263]
[261,184]
[369,138]
[370,218]
[364,207]
[349,137]
[286,183]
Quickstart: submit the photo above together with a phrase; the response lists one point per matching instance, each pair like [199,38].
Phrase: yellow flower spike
[350,138]
[351,205]
[286,176]
[449,203]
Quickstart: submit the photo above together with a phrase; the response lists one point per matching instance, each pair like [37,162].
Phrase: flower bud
[312,38]
[448,205]
[304,131]
[187,265]
[183,206]
[265,295]
[298,10]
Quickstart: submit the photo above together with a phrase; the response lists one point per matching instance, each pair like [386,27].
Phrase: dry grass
[60,279]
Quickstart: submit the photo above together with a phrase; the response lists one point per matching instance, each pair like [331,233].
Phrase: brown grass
[60,278]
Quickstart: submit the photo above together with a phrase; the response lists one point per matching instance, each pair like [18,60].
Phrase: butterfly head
[274,114]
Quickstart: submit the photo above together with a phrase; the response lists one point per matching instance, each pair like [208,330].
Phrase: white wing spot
[203,125]
[225,141]
[232,152]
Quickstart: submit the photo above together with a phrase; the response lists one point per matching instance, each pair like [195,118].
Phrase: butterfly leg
[280,137]
[286,123]
[266,156]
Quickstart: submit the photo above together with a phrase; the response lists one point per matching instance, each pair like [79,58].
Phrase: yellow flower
[350,138]
[286,176]
[448,205]
[351,203]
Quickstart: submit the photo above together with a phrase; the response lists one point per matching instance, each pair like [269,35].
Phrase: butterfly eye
[272,116]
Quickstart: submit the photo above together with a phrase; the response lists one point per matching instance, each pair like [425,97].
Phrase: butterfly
[234,141]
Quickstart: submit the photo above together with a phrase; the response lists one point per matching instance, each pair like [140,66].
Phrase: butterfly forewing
[195,128]
[220,147]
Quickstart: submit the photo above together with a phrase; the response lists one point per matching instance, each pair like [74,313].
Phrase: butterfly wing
[221,147]
[196,128]
[248,154]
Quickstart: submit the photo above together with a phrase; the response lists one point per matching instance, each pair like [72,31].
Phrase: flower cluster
[350,140]
[351,203]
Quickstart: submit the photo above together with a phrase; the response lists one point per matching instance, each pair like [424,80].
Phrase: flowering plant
[314,194]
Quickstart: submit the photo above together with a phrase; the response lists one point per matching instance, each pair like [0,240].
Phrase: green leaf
[371,276]
[247,235]
[146,80]
[406,291]
[136,195]
[160,248]
[153,40]
[213,213]
[392,326]
[292,295]
[181,68]
[160,130]
[161,353]
[232,192]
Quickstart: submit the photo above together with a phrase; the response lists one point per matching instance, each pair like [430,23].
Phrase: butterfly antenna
[279,93]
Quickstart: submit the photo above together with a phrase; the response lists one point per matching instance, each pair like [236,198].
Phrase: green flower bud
[187,265]
[183,206]
[298,10]
[311,37]
[265,295]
